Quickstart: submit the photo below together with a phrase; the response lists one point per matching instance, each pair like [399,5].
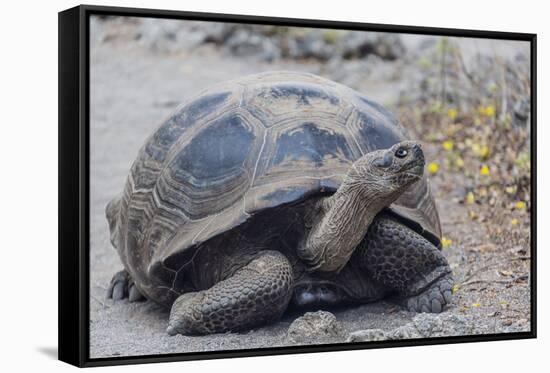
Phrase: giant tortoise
[274,190]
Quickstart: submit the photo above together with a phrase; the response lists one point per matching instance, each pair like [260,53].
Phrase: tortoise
[277,190]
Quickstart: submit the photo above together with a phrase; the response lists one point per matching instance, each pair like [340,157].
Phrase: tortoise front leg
[254,295]
[406,262]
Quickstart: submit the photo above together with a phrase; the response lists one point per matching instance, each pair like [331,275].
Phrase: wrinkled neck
[347,217]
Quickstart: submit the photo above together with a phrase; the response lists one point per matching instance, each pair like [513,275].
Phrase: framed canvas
[233,186]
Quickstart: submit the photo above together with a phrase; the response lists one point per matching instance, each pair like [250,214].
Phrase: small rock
[313,46]
[423,325]
[367,335]
[169,36]
[507,322]
[244,43]
[360,44]
[404,332]
[389,47]
[315,327]
[521,325]
[438,325]
[217,33]
[427,325]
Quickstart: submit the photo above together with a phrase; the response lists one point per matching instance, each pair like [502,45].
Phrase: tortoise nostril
[418,151]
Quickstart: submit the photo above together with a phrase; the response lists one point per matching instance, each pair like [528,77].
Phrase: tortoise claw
[434,298]
[123,286]
[134,294]
[118,291]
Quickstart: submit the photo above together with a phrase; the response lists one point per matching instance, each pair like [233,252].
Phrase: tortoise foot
[254,295]
[122,286]
[434,298]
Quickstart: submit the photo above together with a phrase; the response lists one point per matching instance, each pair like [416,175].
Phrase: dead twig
[460,58]
[510,281]
[443,72]
[479,270]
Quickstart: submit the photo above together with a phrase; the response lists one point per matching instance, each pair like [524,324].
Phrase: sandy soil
[132,90]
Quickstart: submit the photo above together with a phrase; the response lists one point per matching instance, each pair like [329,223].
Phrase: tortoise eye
[401,153]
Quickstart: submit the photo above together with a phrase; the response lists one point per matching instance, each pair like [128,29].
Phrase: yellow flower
[511,189]
[520,205]
[470,198]
[459,162]
[480,150]
[445,242]
[455,288]
[484,170]
[452,113]
[448,144]
[432,167]
[514,221]
[476,305]
[487,111]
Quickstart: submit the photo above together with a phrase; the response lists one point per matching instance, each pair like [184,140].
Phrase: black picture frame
[74,89]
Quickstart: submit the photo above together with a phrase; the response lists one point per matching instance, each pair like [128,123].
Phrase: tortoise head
[373,182]
[390,171]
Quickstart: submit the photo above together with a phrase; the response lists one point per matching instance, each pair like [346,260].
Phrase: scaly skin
[257,293]
[406,262]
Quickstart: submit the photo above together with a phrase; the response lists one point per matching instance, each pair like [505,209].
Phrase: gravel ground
[133,88]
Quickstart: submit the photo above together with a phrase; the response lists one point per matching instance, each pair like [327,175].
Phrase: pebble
[314,328]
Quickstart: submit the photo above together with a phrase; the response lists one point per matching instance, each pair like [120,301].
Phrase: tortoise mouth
[416,170]
[415,167]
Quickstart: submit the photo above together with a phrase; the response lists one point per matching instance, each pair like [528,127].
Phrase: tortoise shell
[245,146]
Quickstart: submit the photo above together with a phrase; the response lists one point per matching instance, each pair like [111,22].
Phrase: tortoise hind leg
[122,286]
[407,263]
[254,295]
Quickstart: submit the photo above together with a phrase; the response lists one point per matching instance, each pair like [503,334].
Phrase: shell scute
[169,132]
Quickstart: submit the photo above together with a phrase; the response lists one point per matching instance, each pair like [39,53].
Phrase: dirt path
[133,89]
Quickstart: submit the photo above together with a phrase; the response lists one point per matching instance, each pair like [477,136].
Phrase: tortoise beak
[416,165]
[417,170]
[419,154]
